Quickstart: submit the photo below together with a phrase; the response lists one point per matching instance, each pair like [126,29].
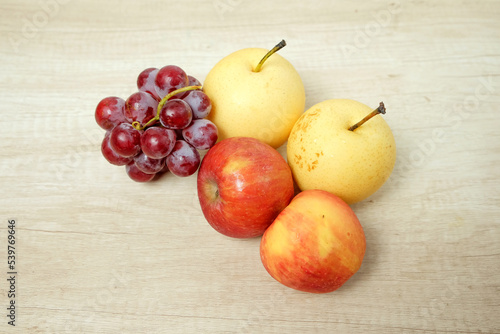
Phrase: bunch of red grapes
[159,128]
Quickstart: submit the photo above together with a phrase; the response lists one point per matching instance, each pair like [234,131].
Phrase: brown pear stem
[379,110]
[278,46]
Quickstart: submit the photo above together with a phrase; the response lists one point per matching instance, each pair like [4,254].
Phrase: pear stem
[278,46]
[379,110]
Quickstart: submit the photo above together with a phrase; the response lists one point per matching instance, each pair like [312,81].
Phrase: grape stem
[137,125]
[379,110]
[278,46]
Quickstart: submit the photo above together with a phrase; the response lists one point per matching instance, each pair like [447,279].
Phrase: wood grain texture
[100,254]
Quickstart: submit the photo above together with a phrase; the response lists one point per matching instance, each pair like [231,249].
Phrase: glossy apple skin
[315,244]
[243,184]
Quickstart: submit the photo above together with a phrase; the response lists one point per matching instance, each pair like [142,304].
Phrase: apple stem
[138,126]
[278,46]
[379,110]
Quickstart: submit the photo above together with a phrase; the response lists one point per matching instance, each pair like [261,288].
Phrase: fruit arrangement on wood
[339,152]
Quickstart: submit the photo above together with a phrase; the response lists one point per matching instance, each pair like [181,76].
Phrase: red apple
[315,244]
[243,184]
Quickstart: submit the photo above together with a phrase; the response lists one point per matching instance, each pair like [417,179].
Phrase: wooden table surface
[98,253]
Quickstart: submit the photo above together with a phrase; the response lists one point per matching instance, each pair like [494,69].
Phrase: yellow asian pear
[255,93]
[324,153]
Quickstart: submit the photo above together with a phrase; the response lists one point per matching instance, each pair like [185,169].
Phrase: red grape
[176,114]
[199,102]
[202,134]
[184,159]
[148,165]
[158,142]
[136,174]
[140,107]
[146,82]
[125,140]
[193,81]
[110,112]
[170,78]
[111,156]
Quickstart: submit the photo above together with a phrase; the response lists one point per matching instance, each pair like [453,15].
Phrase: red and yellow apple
[315,244]
[243,184]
